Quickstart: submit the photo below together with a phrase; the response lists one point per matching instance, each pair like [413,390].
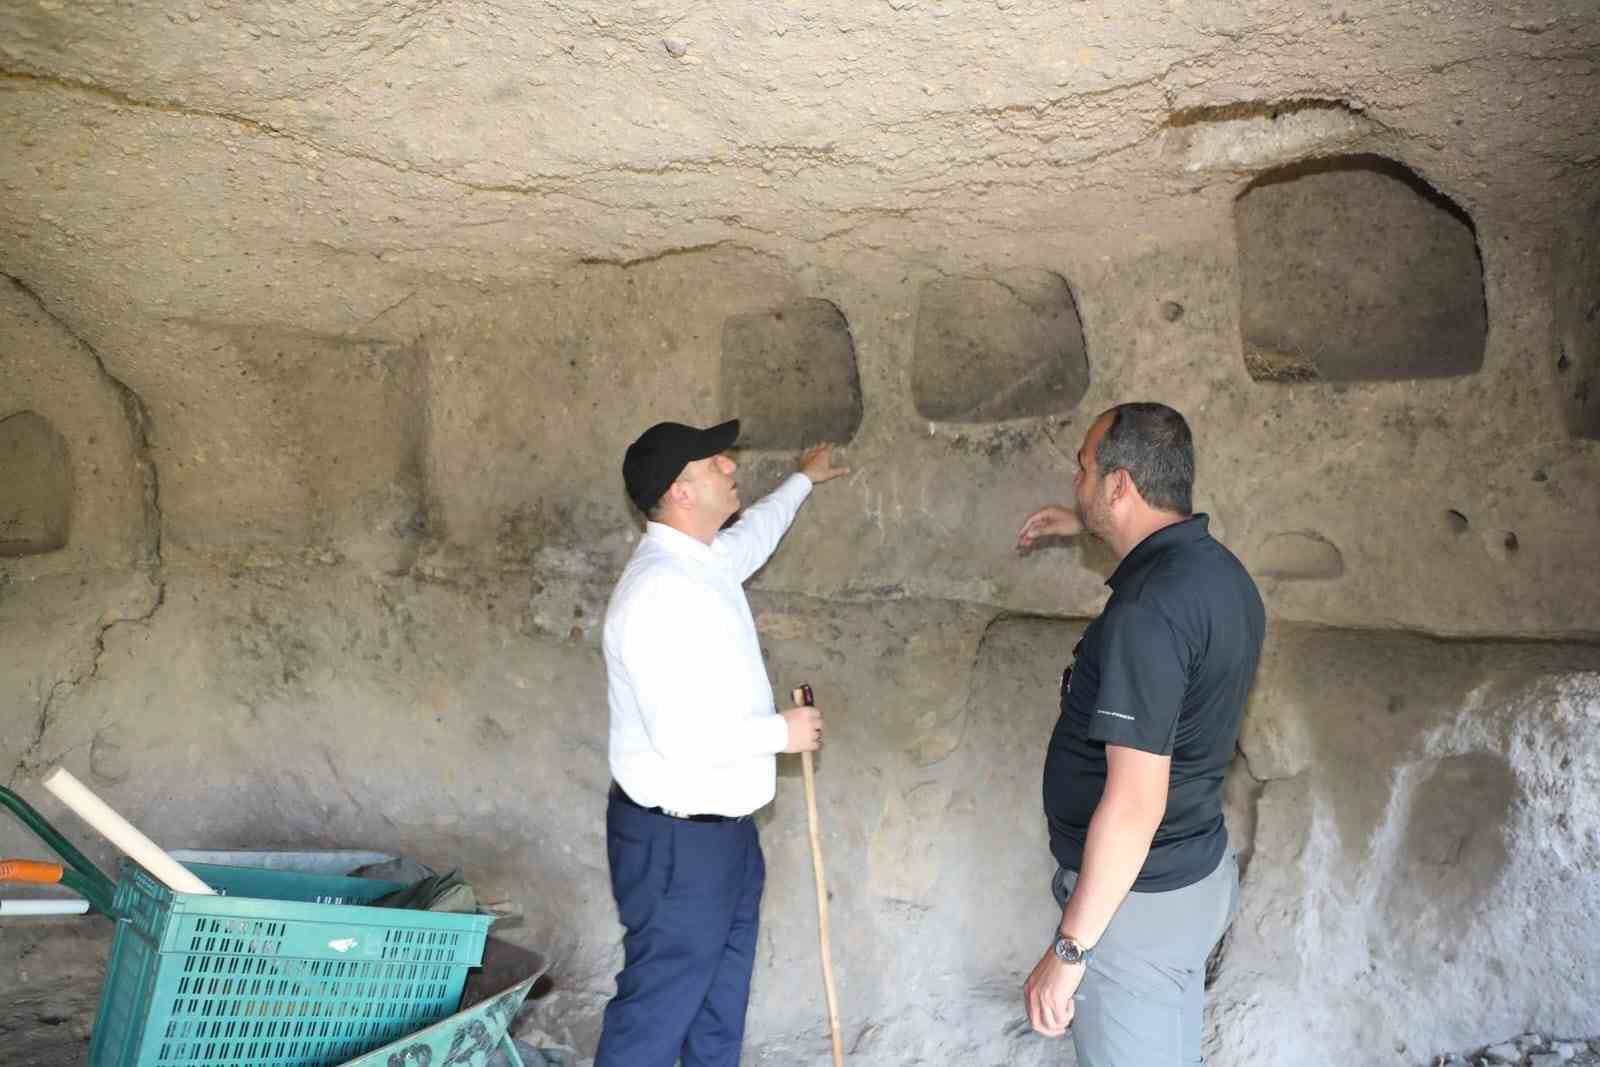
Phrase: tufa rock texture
[323,327]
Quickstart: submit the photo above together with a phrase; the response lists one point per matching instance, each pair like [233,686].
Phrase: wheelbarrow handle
[102,888]
[35,872]
[99,897]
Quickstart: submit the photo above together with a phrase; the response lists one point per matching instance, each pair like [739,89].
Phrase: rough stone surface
[990,349]
[790,375]
[1577,285]
[1299,556]
[1253,135]
[1354,269]
[75,459]
[1528,1050]
[33,467]
[1422,796]
[344,312]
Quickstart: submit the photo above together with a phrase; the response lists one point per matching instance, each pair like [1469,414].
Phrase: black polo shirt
[1166,668]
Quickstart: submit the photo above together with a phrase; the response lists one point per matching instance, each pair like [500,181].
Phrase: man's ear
[1122,487]
[679,491]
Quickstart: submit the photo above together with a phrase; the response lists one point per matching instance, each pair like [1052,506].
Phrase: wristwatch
[1070,950]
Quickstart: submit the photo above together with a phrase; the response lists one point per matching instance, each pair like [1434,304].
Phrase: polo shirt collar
[676,541]
[1193,528]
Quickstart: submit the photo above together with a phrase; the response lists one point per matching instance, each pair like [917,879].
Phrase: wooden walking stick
[803,696]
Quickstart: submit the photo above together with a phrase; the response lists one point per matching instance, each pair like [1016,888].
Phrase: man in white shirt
[694,733]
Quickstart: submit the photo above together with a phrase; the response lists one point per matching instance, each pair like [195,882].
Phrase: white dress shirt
[694,727]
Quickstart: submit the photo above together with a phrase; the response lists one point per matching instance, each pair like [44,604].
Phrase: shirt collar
[1191,529]
[676,541]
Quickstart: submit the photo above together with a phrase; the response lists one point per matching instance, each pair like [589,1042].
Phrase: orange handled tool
[80,876]
[31,871]
[36,872]
[803,697]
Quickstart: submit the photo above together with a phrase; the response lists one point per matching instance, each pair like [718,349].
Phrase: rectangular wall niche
[1006,347]
[789,375]
[38,488]
[1578,319]
[1355,269]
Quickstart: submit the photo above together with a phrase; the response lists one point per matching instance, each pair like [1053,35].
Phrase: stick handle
[120,832]
[52,906]
[803,696]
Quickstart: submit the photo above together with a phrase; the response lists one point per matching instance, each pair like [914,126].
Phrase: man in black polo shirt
[1150,713]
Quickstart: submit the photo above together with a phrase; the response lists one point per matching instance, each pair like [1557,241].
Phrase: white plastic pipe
[122,833]
[44,907]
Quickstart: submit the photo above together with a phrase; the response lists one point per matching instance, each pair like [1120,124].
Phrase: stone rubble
[1528,1050]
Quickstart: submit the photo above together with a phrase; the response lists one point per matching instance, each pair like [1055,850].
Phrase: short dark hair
[1153,444]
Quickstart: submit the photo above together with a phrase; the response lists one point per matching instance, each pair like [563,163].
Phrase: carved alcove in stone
[37,501]
[1356,269]
[1578,326]
[1453,847]
[1299,555]
[1004,347]
[790,375]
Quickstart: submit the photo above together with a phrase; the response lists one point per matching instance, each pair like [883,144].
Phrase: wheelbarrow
[76,874]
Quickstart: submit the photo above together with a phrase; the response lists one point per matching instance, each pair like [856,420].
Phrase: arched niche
[1356,269]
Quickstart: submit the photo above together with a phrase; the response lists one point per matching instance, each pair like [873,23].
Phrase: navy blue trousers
[689,897]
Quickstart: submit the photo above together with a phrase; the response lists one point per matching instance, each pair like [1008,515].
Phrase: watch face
[1068,950]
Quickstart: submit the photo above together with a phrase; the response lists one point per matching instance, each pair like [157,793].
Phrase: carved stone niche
[789,374]
[1356,269]
[1005,347]
[37,502]
[1578,324]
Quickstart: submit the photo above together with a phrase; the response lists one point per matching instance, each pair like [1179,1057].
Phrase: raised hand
[1052,520]
[816,463]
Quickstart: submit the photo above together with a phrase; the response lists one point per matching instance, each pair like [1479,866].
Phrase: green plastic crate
[281,970]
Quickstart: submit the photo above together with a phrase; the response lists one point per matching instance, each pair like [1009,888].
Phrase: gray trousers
[1141,998]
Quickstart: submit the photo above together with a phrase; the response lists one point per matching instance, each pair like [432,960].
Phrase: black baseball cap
[654,461]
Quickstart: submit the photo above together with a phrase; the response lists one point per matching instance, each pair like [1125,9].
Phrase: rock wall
[323,328]
[1427,812]
[1418,815]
